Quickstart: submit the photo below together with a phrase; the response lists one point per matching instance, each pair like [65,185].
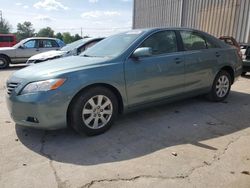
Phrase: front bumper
[45,110]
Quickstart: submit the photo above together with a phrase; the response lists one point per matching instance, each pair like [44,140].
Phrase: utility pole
[81,31]
[1,16]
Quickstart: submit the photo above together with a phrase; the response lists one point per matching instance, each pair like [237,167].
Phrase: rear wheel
[4,62]
[221,86]
[94,111]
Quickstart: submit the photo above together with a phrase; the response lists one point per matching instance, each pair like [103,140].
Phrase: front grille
[11,87]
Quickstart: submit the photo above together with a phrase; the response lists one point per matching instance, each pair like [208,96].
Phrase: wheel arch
[108,86]
[230,70]
[6,56]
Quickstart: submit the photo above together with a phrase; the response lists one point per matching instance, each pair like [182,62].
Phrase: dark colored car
[7,40]
[245,50]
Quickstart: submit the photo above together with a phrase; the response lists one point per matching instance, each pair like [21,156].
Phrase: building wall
[217,17]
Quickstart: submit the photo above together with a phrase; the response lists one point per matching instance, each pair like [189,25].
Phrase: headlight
[42,86]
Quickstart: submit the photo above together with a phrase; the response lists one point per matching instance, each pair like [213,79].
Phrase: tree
[46,32]
[77,37]
[59,36]
[25,30]
[67,38]
[5,27]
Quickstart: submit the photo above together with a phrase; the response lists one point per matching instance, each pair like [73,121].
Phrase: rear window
[6,39]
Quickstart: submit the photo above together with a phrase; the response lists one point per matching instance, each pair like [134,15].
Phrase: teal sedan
[124,72]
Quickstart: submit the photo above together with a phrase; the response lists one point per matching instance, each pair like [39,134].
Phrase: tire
[221,87]
[243,73]
[93,111]
[4,62]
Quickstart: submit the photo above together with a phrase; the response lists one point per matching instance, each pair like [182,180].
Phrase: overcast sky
[95,17]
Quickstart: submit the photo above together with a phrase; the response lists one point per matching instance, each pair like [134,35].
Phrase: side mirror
[21,46]
[142,52]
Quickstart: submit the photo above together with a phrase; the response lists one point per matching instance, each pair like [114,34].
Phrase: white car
[72,49]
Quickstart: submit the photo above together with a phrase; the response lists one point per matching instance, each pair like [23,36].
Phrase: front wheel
[4,62]
[221,87]
[94,111]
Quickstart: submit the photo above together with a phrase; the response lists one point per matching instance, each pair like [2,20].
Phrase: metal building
[217,17]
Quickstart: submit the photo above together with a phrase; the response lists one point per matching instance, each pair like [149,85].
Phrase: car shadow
[141,133]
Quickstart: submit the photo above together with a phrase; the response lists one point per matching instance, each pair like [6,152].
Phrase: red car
[7,40]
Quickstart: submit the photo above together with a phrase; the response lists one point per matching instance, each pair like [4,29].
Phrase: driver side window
[30,44]
[162,42]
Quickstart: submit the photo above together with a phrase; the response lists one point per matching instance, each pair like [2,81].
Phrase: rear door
[200,59]
[158,76]
[47,45]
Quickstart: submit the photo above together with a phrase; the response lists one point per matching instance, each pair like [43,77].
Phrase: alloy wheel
[97,112]
[222,86]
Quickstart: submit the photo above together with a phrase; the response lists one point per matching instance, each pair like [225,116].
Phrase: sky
[95,17]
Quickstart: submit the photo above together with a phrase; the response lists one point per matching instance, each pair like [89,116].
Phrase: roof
[43,38]
[10,34]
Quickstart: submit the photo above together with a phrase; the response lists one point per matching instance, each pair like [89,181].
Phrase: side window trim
[39,41]
[179,41]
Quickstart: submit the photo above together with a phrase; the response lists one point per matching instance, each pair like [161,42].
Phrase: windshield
[73,45]
[112,46]
[21,42]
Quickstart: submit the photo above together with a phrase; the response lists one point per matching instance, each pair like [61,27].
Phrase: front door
[27,50]
[158,76]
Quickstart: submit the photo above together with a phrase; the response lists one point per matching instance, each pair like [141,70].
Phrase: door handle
[178,60]
[217,54]
[37,50]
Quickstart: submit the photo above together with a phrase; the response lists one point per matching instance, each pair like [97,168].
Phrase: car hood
[47,55]
[54,68]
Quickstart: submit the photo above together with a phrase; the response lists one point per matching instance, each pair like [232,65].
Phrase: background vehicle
[27,48]
[231,41]
[245,50]
[74,48]
[7,40]
[123,72]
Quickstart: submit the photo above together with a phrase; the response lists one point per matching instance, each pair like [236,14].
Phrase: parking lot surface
[190,143]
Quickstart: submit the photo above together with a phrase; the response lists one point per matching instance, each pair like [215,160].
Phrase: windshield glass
[73,45]
[20,43]
[112,46]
